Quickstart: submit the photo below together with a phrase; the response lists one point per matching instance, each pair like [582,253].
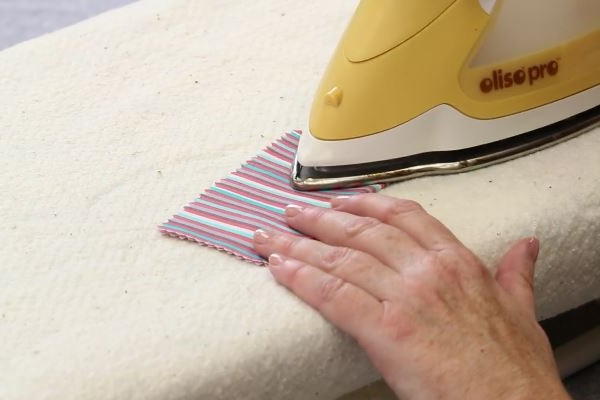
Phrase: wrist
[491,388]
[551,389]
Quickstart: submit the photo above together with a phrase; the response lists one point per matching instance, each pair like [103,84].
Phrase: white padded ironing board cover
[112,124]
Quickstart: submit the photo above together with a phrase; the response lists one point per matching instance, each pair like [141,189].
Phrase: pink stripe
[289,143]
[253,220]
[211,244]
[174,233]
[265,194]
[227,221]
[272,225]
[254,217]
[262,194]
[262,163]
[283,168]
[283,188]
[291,137]
[357,190]
[238,220]
[277,155]
[250,172]
[206,230]
[201,228]
[221,199]
[217,231]
[280,169]
[277,201]
[325,194]
[263,179]
[283,151]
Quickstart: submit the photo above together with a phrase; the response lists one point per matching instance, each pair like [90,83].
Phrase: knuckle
[445,267]
[432,259]
[395,321]
[361,267]
[421,283]
[293,280]
[450,273]
[431,289]
[336,257]
[443,242]
[362,197]
[455,264]
[529,285]
[476,269]
[315,213]
[330,288]
[357,226]
[471,264]
[400,207]
[288,244]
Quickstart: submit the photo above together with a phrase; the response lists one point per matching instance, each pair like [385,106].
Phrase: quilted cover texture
[112,124]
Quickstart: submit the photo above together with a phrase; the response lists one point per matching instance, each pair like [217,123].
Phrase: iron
[442,86]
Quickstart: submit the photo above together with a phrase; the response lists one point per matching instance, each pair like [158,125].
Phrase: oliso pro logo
[502,80]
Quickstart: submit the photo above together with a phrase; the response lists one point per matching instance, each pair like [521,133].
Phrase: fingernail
[261,236]
[292,210]
[338,200]
[275,260]
[533,248]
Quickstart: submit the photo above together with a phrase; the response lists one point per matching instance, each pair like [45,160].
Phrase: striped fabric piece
[253,197]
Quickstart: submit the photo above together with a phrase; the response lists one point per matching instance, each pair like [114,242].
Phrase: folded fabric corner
[253,197]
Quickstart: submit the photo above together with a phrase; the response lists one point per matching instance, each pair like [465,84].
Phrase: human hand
[430,316]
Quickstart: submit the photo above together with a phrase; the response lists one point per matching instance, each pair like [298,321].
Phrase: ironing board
[110,126]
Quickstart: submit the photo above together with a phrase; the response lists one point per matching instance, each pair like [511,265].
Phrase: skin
[431,317]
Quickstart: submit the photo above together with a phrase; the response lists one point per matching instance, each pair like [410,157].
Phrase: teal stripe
[214,241]
[190,225]
[271,174]
[376,186]
[247,200]
[274,159]
[338,192]
[293,151]
[216,224]
[231,210]
[319,203]
[238,245]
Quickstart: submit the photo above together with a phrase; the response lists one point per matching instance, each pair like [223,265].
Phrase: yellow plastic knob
[334,96]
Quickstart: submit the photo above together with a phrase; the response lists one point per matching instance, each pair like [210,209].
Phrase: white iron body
[442,128]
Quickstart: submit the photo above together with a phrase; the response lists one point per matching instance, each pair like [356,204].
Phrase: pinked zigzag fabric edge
[254,196]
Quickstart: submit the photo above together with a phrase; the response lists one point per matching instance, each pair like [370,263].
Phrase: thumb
[515,272]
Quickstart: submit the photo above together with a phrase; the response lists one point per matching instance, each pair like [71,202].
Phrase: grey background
[25,19]
[21,20]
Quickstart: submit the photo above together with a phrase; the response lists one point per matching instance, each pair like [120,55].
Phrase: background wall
[25,19]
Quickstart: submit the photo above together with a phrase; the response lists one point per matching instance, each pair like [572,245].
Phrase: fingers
[515,272]
[406,215]
[353,266]
[386,243]
[346,306]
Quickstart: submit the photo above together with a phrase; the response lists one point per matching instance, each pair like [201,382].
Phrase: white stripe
[243,213]
[217,224]
[278,192]
[286,147]
[274,159]
[236,195]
